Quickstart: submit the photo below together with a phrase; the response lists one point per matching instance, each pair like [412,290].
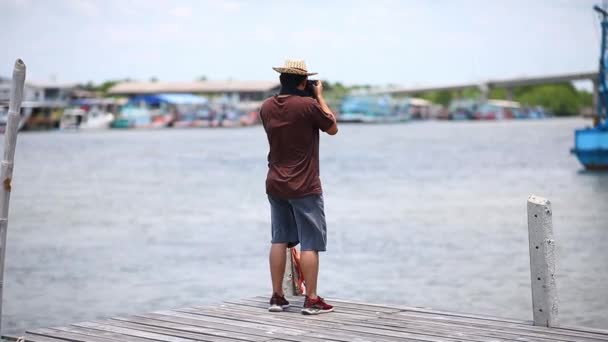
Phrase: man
[292,121]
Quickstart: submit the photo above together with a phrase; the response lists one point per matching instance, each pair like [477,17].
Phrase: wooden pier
[249,320]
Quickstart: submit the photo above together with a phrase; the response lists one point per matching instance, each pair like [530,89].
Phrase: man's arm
[318,90]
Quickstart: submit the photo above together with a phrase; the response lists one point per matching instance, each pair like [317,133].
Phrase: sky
[403,42]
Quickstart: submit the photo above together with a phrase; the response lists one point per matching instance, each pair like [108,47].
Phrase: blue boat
[591,144]
[372,109]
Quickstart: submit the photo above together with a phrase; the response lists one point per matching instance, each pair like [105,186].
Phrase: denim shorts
[299,220]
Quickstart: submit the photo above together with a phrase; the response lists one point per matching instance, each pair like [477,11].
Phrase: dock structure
[249,320]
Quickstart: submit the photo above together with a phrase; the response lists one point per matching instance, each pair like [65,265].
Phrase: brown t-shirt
[292,125]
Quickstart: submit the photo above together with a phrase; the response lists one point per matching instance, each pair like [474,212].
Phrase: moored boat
[90,114]
[497,110]
[371,109]
[26,111]
[156,110]
[591,143]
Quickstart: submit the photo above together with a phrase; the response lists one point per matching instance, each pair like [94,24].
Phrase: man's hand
[317,89]
[318,92]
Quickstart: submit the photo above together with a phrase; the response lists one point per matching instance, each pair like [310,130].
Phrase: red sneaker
[316,306]
[277,303]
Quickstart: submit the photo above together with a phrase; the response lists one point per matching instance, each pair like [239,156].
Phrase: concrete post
[542,262]
[6,171]
[288,284]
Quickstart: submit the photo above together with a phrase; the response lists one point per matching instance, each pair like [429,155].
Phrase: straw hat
[294,66]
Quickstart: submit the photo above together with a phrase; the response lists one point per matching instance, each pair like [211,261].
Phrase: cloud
[181,12]
[21,3]
[85,7]
[226,6]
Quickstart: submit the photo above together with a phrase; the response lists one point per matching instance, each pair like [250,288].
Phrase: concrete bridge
[507,84]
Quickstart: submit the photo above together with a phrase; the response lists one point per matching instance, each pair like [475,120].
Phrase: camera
[309,87]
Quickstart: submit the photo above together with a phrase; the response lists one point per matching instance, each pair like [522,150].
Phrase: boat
[462,109]
[413,108]
[25,113]
[497,110]
[156,110]
[372,109]
[89,114]
[591,143]
[220,113]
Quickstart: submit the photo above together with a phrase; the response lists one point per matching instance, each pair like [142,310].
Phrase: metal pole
[6,172]
[542,262]
[602,105]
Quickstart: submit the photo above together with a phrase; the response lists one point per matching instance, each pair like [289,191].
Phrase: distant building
[51,93]
[233,91]
[43,102]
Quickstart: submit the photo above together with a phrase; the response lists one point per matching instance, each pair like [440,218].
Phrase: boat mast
[602,104]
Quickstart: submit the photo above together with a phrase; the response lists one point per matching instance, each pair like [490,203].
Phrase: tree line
[560,99]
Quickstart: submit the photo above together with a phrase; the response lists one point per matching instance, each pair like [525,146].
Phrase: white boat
[26,112]
[78,118]
[89,114]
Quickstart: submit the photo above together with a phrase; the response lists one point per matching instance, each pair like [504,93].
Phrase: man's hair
[291,81]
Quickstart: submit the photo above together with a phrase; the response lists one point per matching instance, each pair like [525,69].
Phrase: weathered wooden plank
[602,332]
[237,312]
[488,329]
[185,331]
[324,332]
[314,323]
[417,329]
[376,323]
[39,338]
[292,318]
[99,333]
[334,315]
[249,321]
[296,305]
[479,332]
[196,319]
[132,332]
[337,316]
[299,301]
[492,324]
[432,311]
[229,325]
[70,336]
[229,312]
[359,328]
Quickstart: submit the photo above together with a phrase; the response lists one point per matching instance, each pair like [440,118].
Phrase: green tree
[560,99]
[105,86]
[442,97]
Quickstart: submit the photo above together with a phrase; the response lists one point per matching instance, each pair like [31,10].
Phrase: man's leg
[278,258]
[309,261]
[310,219]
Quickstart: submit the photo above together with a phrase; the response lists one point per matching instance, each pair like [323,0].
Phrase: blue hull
[591,147]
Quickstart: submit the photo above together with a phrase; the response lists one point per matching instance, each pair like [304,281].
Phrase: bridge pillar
[509,93]
[484,91]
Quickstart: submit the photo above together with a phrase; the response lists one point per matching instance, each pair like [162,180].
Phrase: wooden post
[288,284]
[6,171]
[542,262]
